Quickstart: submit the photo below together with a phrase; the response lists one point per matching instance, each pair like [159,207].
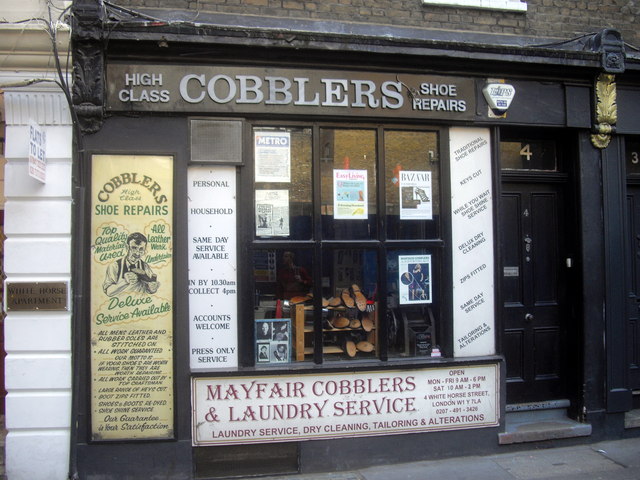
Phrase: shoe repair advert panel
[472,242]
[283,408]
[213,307]
[132,297]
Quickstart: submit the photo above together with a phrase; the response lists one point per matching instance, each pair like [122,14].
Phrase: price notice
[233,410]
[131,297]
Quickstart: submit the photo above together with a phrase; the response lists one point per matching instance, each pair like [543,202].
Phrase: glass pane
[283,306]
[283,187]
[632,148]
[349,304]
[348,169]
[413,309]
[412,181]
[528,155]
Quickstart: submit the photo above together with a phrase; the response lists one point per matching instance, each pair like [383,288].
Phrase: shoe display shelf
[336,339]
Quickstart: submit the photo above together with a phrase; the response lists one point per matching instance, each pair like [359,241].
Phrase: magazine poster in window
[272,156]
[350,194]
[273,341]
[415,195]
[272,213]
[414,281]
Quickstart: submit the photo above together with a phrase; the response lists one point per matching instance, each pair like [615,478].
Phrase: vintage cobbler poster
[131,318]
[414,272]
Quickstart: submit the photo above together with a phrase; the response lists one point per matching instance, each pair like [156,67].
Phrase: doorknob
[528,317]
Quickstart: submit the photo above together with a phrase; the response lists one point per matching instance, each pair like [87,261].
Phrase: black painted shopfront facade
[312,247]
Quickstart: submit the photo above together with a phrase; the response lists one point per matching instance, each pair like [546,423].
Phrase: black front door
[633,284]
[533,230]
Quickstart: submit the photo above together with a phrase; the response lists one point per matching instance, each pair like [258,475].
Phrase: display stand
[303,332]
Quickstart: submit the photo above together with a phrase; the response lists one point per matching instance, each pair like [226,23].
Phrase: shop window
[509,5]
[410,152]
[536,151]
[347,246]
[348,170]
[283,183]
[528,155]
[632,156]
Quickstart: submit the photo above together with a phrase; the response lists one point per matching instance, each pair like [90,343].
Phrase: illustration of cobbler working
[131,274]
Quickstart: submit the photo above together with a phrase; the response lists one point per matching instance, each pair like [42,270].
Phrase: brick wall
[562,19]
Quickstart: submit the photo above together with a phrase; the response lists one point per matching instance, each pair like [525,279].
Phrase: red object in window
[396,174]
[346,163]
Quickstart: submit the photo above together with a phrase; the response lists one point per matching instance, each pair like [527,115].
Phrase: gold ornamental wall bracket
[606,114]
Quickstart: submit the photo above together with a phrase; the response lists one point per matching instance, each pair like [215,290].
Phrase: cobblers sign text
[231,410]
[258,90]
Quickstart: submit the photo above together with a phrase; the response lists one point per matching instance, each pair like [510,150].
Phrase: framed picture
[273,340]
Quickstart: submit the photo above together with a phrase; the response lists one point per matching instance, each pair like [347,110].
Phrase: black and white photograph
[273,340]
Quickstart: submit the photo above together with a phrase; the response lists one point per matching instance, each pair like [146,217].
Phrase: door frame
[557,183]
[568,152]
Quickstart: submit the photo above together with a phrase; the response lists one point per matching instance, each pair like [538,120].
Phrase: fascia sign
[499,96]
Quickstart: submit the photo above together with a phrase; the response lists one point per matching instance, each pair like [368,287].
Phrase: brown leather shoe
[360,299]
[340,322]
[347,299]
[355,323]
[367,323]
[365,346]
[350,348]
[335,301]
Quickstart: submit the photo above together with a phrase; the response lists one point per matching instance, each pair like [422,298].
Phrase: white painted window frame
[505,5]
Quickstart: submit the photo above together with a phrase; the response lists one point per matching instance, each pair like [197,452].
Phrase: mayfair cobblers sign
[228,89]
[232,410]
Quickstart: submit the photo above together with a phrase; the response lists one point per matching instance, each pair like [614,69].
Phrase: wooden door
[533,230]
[633,284]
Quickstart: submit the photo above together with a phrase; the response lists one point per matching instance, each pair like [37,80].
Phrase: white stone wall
[38,249]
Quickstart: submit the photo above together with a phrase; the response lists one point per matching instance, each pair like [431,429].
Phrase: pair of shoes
[353,297]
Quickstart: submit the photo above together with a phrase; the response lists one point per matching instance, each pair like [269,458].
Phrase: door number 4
[526,152]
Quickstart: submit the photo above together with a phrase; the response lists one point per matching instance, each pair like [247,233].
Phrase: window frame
[502,5]
[317,244]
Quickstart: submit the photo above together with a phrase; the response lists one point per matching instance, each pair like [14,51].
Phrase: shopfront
[299,267]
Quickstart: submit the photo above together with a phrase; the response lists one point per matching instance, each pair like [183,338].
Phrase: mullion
[316,180]
[383,347]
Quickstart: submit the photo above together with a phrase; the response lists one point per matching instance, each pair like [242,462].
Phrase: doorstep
[536,422]
[632,419]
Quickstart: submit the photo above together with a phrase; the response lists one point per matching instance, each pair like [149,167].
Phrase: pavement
[608,460]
